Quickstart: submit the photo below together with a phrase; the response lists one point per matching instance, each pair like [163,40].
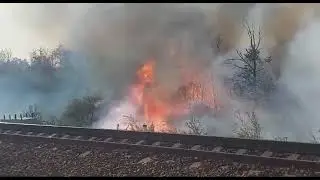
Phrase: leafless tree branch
[195,126]
[249,126]
[251,79]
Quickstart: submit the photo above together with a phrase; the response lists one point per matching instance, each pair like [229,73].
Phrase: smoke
[300,73]
[131,34]
[30,26]
[118,38]
[49,91]
[291,38]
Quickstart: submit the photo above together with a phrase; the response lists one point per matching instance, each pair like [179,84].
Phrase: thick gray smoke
[119,38]
[49,91]
[22,87]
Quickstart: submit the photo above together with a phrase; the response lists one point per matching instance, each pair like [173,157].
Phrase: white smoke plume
[118,38]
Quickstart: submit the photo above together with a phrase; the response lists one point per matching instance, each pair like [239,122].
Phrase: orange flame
[155,109]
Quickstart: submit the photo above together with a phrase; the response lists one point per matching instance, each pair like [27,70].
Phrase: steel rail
[252,150]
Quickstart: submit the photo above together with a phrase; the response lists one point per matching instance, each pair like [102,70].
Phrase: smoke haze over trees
[49,80]
[103,45]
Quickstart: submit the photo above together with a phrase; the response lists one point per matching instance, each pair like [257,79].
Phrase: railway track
[243,150]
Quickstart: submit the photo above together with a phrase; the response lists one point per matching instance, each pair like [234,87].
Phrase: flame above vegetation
[146,95]
[156,107]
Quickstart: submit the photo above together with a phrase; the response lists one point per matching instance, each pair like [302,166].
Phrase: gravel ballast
[54,159]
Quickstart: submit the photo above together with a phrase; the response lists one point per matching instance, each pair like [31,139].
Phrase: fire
[146,72]
[155,109]
[144,94]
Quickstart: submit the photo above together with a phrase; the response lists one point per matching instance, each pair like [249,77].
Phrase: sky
[25,26]
[29,26]
[13,35]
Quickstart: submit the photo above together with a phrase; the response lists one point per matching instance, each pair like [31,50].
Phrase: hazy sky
[29,26]
[15,36]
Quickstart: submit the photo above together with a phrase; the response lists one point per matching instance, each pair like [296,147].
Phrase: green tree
[80,112]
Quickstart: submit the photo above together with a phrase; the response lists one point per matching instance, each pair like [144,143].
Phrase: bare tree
[134,124]
[314,138]
[194,93]
[57,55]
[251,80]
[249,126]
[5,55]
[50,58]
[33,112]
[195,126]
[216,44]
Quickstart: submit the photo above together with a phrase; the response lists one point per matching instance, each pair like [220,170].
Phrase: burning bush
[157,107]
